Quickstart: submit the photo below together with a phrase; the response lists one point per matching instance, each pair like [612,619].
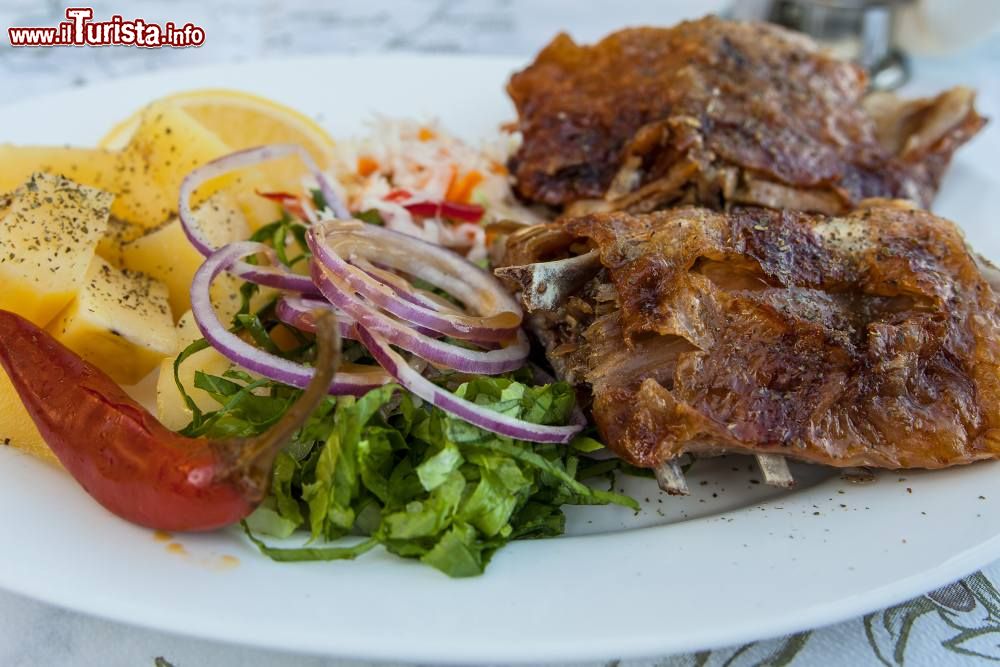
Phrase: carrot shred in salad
[460,190]
[418,179]
[367,166]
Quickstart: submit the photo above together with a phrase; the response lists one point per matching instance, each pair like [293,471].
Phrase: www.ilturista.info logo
[80,30]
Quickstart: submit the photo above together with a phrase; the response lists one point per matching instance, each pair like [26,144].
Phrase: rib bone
[546,285]
[670,478]
[775,470]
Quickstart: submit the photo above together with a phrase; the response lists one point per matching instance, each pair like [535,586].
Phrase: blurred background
[959,35]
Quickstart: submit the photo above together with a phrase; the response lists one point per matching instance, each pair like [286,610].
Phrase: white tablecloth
[958,624]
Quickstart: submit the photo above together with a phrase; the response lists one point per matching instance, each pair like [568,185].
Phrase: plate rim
[795,620]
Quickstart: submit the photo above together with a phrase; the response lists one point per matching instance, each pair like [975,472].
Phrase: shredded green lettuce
[390,470]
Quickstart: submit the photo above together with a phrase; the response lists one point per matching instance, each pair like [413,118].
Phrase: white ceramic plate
[736,561]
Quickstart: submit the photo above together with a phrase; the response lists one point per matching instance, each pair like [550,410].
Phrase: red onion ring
[335,245]
[272,276]
[418,296]
[476,415]
[252,358]
[404,289]
[491,362]
[498,316]
[296,311]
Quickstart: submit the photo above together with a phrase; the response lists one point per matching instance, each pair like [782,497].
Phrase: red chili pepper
[129,462]
[288,201]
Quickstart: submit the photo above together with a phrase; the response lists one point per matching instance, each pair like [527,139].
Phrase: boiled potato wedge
[49,229]
[17,429]
[166,146]
[87,166]
[170,406]
[257,210]
[120,321]
[187,331]
[167,255]
[117,235]
[171,409]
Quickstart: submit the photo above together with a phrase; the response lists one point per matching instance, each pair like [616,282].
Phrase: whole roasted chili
[126,459]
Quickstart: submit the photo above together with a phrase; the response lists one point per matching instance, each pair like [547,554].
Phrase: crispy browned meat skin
[712,112]
[869,339]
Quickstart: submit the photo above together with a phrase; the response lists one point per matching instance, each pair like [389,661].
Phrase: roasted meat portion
[869,339]
[714,112]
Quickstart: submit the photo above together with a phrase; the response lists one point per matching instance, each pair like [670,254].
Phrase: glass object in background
[878,33]
[858,30]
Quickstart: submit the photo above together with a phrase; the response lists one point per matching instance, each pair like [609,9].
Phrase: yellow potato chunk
[87,166]
[117,235]
[167,255]
[120,322]
[187,331]
[170,406]
[49,228]
[16,426]
[171,409]
[166,146]
[258,210]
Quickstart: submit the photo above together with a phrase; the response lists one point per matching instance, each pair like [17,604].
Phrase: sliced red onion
[252,358]
[498,316]
[420,297]
[404,289]
[297,312]
[491,362]
[275,275]
[477,415]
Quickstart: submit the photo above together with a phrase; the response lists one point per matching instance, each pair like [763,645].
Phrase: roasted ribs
[868,339]
[714,112]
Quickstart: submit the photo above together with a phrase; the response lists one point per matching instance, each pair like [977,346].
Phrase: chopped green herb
[319,201]
[371,216]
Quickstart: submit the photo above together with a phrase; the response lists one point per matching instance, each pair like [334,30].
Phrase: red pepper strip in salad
[128,461]
[437,209]
[288,201]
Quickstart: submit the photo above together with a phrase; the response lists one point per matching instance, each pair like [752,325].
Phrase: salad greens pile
[389,469]
[407,475]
